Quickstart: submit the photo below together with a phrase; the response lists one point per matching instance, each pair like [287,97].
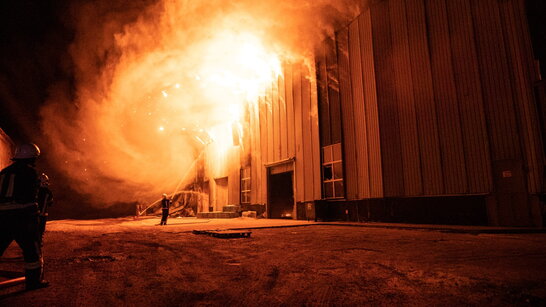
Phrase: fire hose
[178,185]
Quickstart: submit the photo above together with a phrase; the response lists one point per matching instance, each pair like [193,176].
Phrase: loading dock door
[280,195]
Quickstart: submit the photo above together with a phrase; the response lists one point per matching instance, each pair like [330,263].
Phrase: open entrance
[280,195]
[221,193]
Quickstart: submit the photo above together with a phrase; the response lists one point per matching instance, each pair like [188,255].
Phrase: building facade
[422,111]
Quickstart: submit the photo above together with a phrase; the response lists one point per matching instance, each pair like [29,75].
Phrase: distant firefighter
[138,209]
[19,186]
[165,204]
[45,200]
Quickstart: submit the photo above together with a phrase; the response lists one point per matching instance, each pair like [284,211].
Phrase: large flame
[171,80]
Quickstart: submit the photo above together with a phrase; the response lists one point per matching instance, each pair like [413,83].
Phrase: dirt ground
[121,262]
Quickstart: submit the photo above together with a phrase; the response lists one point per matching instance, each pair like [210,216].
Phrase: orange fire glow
[177,68]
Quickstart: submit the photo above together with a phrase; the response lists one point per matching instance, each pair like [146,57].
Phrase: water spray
[183,179]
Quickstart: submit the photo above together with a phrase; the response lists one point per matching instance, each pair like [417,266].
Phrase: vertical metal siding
[497,90]
[254,152]
[372,117]
[276,122]
[421,82]
[359,115]
[349,142]
[324,106]
[315,138]
[290,110]
[520,61]
[393,179]
[270,130]
[333,90]
[263,110]
[467,80]
[306,133]
[445,93]
[300,158]
[282,119]
[406,104]
[259,184]
[424,98]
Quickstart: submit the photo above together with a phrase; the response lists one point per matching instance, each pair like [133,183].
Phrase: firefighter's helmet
[164,195]
[26,151]
[44,180]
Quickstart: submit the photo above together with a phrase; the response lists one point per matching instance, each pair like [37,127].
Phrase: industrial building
[422,111]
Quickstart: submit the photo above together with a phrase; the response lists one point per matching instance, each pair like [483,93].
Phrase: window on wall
[332,172]
[245,185]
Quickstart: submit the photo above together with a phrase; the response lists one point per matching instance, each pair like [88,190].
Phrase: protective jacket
[165,204]
[18,186]
[19,218]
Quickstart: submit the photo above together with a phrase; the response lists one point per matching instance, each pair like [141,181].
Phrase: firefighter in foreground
[45,200]
[165,204]
[19,212]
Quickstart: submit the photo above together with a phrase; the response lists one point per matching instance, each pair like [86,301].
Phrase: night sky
[35,58]
[34,37]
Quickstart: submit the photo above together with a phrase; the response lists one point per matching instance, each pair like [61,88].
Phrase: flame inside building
[402,113]
[160,87]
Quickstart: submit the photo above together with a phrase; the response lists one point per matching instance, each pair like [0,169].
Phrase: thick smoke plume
[149,75]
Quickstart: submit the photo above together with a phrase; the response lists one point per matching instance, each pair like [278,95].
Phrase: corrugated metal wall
[222,166]
[521,67]
[284,126]
[450,132]
[389,128]
[370,106]
[423,93]
[348,119]
[469,97]
[429,94]
[451,82]
[359,113]
[315,136]
[255,152]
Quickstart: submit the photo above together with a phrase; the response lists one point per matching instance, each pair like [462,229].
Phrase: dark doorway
[280,195]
